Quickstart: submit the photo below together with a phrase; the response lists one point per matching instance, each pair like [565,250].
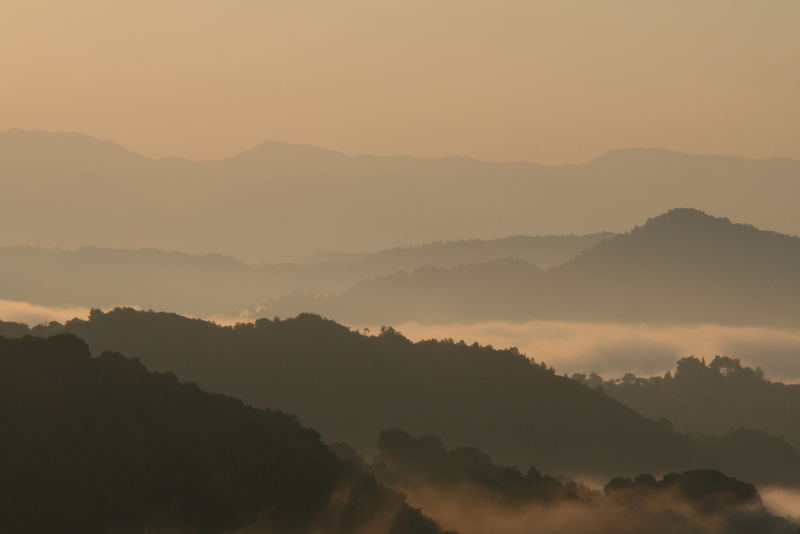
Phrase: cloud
[469,512]
[612,349]
[31,314]
[782,501]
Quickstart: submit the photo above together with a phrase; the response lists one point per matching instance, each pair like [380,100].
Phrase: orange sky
[555,81]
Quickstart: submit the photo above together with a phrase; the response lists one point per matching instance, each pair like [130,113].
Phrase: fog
[608,349]
[611,349]
[784,502]
[470,510]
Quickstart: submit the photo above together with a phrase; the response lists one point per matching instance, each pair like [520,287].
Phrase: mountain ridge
[272,146]
[518,410]
[281,202]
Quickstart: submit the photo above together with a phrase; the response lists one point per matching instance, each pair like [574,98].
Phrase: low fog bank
[613,349]
[464,490]
[608,349]
[470,515]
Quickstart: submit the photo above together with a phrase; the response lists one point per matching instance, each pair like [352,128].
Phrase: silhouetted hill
[351,386]
[688,266]
[97,445]
[279,202]
[497,289]
[464,489]
[711,398]
[682,267]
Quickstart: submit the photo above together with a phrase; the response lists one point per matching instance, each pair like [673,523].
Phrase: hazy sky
[554,81]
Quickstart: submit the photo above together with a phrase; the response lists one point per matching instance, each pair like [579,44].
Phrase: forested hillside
[99,445]
[350,386]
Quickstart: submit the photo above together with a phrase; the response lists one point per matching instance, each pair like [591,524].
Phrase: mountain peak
[69,145]
[684,216]
[277,152]
[686,220]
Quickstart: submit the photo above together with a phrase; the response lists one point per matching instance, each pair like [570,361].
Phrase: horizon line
[255,147]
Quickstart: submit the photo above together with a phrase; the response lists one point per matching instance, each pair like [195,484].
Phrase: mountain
[351,386]
[279,202]
[688,266]
[683,266]
[97,445]
[711,397]
[213,284]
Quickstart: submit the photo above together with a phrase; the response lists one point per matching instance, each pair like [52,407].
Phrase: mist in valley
[612,349]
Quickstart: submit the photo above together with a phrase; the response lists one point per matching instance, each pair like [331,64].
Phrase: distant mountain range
[681,267]
[276,201]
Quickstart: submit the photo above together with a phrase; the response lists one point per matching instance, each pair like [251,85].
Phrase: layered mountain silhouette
[212,284]
[351,386]
[98,445]
[681,267]
[278,201]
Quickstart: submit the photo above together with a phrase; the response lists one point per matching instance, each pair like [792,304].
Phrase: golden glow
[555,81]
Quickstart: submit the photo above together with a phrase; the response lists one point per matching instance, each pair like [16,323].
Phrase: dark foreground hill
[350,386]
[101,445]
[681,267]
[711,397]
[464,489]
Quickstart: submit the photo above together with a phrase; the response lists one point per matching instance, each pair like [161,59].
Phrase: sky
[554,81]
